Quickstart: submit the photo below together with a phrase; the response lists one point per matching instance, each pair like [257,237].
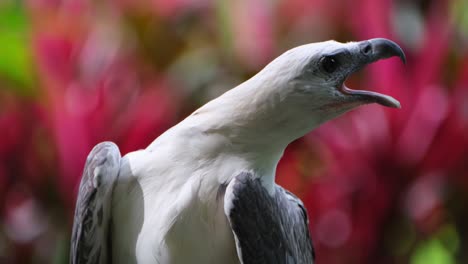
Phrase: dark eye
[329,64]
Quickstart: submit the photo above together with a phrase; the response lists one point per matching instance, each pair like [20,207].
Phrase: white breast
[170,211]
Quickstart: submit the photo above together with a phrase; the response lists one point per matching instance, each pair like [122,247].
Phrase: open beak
[370,51]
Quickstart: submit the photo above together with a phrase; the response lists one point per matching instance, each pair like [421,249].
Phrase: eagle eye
[329,64]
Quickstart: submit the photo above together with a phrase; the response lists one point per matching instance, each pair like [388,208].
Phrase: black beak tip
[402,56]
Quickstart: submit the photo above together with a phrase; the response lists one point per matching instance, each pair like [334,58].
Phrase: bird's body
[180,175]
[177,200]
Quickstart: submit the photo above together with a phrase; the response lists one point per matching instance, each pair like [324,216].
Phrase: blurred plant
[15,55]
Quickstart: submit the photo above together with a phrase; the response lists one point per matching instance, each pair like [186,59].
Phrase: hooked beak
[367,52]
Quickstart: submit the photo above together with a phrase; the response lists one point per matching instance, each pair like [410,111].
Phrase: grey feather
[90,236]
[268,228]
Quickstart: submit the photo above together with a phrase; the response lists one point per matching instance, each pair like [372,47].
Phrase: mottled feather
[267,228]
[90,243]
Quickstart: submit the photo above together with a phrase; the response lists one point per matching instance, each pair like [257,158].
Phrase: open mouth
[371,97]
[370,51]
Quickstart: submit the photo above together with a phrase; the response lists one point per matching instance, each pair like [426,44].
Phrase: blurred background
[381,185]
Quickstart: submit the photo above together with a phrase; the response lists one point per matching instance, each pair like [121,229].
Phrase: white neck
[258,113]
[252,123]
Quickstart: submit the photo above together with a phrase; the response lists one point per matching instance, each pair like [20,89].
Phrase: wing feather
[90,243]
[267,228]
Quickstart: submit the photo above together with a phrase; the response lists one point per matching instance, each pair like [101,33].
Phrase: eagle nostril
[366,49]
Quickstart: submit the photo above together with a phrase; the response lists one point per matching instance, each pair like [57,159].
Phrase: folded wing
[267,228]
[90,236]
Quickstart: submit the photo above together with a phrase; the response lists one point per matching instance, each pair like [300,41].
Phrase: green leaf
[224,17]
[15,54]
[459,11]
[432,252]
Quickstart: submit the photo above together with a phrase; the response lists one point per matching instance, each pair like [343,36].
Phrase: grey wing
[90,236]
[267,228]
